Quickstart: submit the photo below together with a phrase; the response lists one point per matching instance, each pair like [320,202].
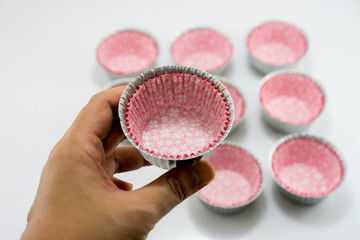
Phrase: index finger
[97,116]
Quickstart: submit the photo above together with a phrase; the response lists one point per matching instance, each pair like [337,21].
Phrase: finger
[96,117]
[173,187]
[123,159]
[123,185]
[114,137]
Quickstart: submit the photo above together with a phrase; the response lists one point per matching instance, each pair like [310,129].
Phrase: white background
[48,71]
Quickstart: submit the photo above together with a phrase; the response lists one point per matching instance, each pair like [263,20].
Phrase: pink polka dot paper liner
[290,100]
[275,45]
[127,53]
[175,114]
[202,48]
[307,168]
[238,179]
[238,100]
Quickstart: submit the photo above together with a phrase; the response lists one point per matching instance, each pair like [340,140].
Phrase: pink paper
[277,43]
[237,180]
[292,98]
[177,115]
[307,167]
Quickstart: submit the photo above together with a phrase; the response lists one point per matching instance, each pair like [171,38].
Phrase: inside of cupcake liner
[238,177]
[277,43]
[177,115]
[307,167]
[202,48]
[127,52]
[292,98]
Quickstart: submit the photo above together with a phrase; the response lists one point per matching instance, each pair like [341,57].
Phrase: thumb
[173,187]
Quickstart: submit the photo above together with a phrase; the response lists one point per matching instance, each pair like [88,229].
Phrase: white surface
[48,71]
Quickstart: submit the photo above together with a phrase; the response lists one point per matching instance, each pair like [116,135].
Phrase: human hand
[78,197]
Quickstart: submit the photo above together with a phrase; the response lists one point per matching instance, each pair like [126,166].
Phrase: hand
[78,197]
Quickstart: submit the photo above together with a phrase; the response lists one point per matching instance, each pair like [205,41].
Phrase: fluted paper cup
[202,48]
[239,179]
[276,45]
[306,168]
[291,101]
[174,115]
[127,53]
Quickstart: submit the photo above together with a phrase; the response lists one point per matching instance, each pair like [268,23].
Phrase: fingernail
[203,173]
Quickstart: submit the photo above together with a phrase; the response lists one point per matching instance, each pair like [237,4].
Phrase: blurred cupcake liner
[276,45]
[127,53]
[202,48]
[291,101]
[306,168]
[239,179]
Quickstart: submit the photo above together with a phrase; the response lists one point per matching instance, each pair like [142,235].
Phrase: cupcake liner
[174,115]
[238,179]
[275,45]
[291,101]
[238,99]
[119,82]
[306,168]
[202,48]
[127,53]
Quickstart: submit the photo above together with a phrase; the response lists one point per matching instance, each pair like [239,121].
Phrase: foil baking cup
[291,101]
[202,48]
[306,168]
[238,181]
[238,99]
[175,115]
[276,45]
[127,53]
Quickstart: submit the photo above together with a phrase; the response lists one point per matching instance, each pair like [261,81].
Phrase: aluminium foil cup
[239,179]
[238,99]
[290,100]
[127,53]
[306,168]
[276,45]
[175,115]
[203,48]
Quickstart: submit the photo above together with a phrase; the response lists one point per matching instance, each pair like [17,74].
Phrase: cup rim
[227,81]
